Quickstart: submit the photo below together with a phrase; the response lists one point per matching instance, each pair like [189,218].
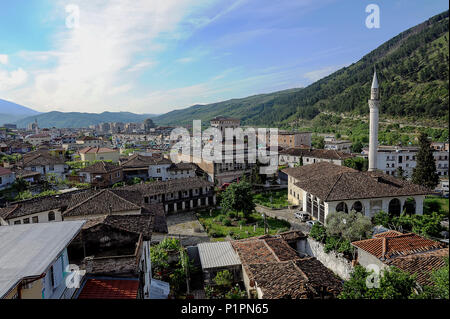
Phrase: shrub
[242,223]
[231,214]
[226,222]
[169,244]
[318,232]
[224,278]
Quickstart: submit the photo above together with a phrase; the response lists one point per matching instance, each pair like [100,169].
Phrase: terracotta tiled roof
[103,202]
[40,159]
[280,280]
[137,224]
[4,171]
[46,203]
[389,233]
[331,182]
[110,289]
[174,185]
[100,168]
[254,251]
[385,247]
[136,161]
[281,249]
[421,264]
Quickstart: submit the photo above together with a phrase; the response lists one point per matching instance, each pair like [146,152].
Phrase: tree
[20,185]
[238,197]
[391,283]
[357,147]
[318,232]
[224,279]
[439,288]
[400,172]
[300,162]
[425,171]
[358,163]
[350,226]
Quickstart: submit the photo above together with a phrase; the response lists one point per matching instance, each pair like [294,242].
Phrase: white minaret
[374,104]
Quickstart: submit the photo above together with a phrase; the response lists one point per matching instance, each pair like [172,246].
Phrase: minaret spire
[374,105]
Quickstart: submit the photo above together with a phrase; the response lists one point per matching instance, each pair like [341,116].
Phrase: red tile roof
[110,289]
[4,171]
[421,264]
[386,246]
[96,150]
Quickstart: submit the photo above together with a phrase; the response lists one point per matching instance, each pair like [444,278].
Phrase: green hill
[77,119]
[413,73]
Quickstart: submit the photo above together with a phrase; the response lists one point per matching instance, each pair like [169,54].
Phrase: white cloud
[3,59]
[89,63]
[13,79]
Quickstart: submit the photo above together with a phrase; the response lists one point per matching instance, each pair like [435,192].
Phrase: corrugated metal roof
[28,250]
[218,254]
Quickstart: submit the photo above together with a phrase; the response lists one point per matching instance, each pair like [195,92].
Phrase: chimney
[383,248]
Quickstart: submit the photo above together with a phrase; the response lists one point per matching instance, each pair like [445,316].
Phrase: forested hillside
[412,70]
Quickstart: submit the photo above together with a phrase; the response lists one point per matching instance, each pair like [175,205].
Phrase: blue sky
[158,55]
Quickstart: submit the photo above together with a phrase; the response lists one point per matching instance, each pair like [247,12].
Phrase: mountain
[412,71]
[11,112]
[77,119]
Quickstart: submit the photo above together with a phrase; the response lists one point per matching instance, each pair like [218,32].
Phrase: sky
[155,56]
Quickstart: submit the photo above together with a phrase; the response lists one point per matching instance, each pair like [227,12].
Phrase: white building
[7,178]
[339,145]
[390,158]
[323,188]
[34,260]
[292,156]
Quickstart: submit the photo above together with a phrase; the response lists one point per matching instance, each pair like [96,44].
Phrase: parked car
[312,222]
[303,216]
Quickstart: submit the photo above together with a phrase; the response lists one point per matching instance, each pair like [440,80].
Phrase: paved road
[287,215]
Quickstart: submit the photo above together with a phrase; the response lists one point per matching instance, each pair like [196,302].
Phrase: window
[35,219]
[51,167]
[158,170]
[51,216]
[26,221]
[17,222]
[52,276]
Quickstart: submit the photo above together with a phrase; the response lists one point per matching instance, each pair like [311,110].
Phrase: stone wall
[335,262]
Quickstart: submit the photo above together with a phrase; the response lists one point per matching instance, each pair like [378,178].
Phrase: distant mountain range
[22,116]
[77,119]
[11,112]
[412,70]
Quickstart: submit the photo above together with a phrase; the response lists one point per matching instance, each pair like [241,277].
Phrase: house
[29,176]
[181,170]
[7,178]
[14,146]
[83,204]
[44,164]
[294,139]
[292,156]
[34,260]
[101,174]
[391,158]
[272,269]
[114,250]
[322,188]
[175,195]
[409,252]
[339,145]
[89,141]
[99,154]
[36,139]
[146,167]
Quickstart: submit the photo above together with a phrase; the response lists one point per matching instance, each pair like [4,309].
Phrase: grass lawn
[219,225]
[435,204]
[279,199]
